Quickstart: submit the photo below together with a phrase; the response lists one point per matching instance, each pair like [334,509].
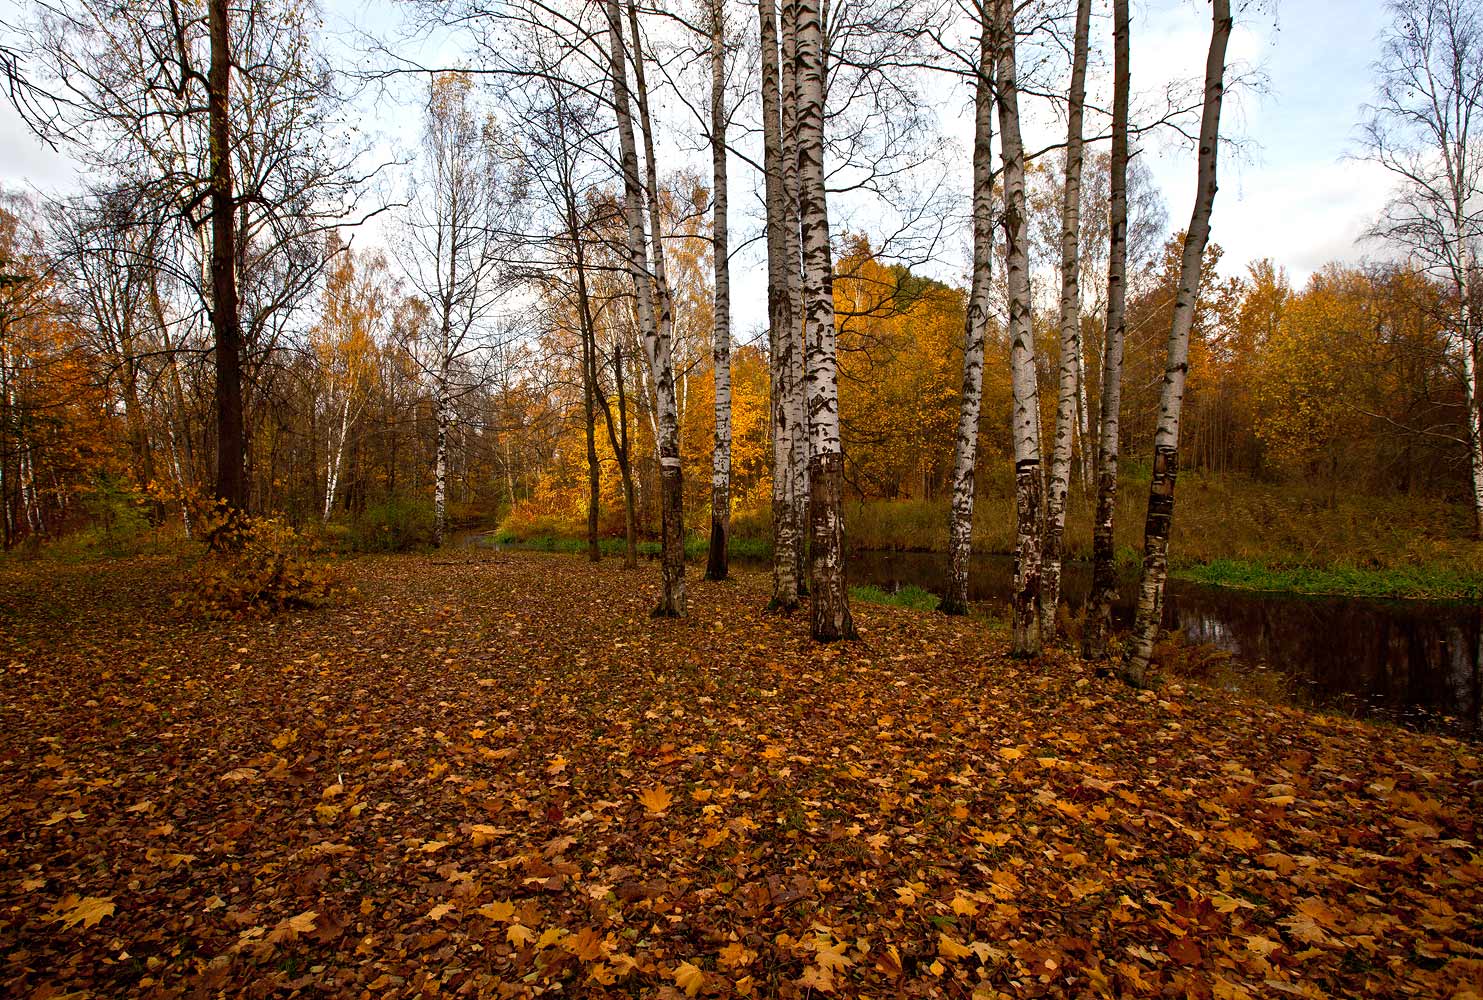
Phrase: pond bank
[1412,662]
[1426,581]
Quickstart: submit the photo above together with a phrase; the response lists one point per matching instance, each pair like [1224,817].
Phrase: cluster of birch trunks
[807,482]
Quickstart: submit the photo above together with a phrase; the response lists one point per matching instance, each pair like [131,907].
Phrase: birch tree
[1068,403]
[1426,129]
[456,235]
[795,355]
[780,317]
[344,345]
[1171,397]
[827,589]
[1025,418]
[1098,615]
[654,325]
[716,564]
[975,327]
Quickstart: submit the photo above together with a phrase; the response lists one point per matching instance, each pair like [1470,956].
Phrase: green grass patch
[910,596]
[1416,581]
[697,547]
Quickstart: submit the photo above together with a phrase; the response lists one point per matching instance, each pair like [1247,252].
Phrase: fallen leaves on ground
[495,775]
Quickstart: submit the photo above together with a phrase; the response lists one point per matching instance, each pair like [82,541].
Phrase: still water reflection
[1413,662]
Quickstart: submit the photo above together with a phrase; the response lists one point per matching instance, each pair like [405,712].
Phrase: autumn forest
[738,498]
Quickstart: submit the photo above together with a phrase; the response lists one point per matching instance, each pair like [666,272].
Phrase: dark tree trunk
[226,328]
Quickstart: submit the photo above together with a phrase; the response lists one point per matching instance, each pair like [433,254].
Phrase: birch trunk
[716,564]
[1025,420]
[1066,402]
[1467,292]
[625,466]
[1098,618]
[1171,397]
[589,420]
[798,420]
[829,596]
[440,468]
[965,451]
[781,321]
[335,457]
[654,330]
[671,483]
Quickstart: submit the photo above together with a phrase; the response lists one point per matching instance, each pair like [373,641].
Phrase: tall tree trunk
[1171,397]
[796,355]
[829,595]
[1467,293]
[1066,402]
[1083,431]
[1098,618]
[654,330]
[440,464]
[975,327]
[716,564]
[1025,599]
[333,460]
[781,321]
[625,466]
[226,326]
[589,415]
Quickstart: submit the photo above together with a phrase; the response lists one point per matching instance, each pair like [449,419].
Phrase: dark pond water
[1413,662]
[1416,663]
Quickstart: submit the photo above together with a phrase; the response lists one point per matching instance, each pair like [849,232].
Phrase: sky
[1294,195]
[1289,189]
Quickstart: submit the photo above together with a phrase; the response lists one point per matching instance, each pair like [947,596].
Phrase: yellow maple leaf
[586,944]
[951,949]
[689,978]
[290,928]
[499,910]
[656,799]
[439,912]
[818,977]
[519,934]
[1242,840]
[72,910]
[735,955]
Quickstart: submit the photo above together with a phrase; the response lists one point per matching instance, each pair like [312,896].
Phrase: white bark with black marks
[781,320]
[828,594]
[1070,360]
[654,329]
[1097,623]
[1160,517]
[975,328]
[1025,417]
[716,563]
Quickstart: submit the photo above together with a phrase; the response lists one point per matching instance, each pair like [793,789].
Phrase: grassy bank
[1228,531]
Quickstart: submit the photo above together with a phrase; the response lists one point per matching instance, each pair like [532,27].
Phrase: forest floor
[492,774]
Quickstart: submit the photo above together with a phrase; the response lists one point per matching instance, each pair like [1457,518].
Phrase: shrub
[255,565]
[116,509]
[396,524]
